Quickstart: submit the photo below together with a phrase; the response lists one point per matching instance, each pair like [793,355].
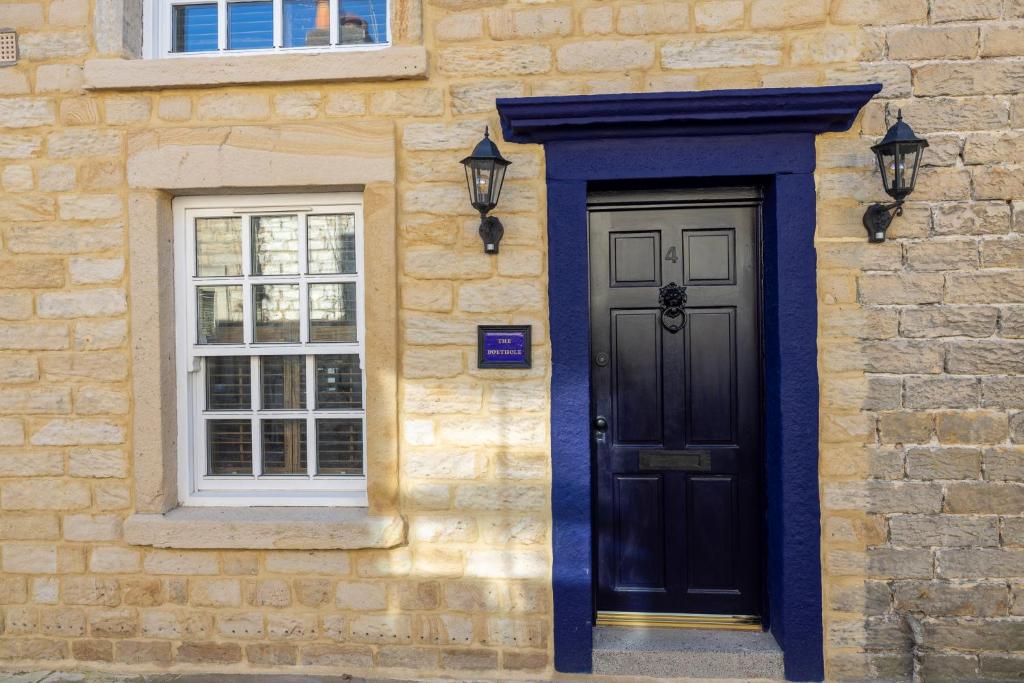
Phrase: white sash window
[270,325]
[195,27]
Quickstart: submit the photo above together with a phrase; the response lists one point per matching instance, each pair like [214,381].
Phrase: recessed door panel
[639,533]
[710,257]
[635,259]
[711,376]
[676,409]
[637,349]
[712,556]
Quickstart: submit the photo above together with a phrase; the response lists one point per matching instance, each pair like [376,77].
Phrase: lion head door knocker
[672,299]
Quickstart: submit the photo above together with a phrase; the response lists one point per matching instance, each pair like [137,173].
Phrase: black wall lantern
[485,172]
[899,156]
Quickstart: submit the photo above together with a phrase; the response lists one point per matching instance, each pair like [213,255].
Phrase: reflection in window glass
[284,447]
[229,444]
[362,21]
[284,382]
[250,25]
[218,247]
[331,244]
[194,28]
[306,23]
[339,445]
[277,313]
[332,312]
[220,314]
[228,385]
[339,383]
[275,245]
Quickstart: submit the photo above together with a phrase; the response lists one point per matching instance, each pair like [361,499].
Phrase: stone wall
[922,416]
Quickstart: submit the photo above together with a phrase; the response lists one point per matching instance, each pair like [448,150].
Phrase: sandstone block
[304,104]
[956,113]
[27,112]
[533,23]
[941,392]
[216,592]
[147,652]
[44,495]
[308,562]
[605,55]
[205,652]
[408,102]
[271,654]
[654,18]
[92,527]
[944,463]
[962,10]
[944,530]
[361,596]
[78,432]
[29,559]
[328,654]
[715,52]
[948,321]
[507,564]
[292,626]
[985,497]
[345,104]
[987,288]
[490,60]
[479,97]
[90,590]
[947,42]
[181,562]
[114,560]
[765,14]
[1004,463]
[240,625]
[230,106]
[1001,40]
[460,26]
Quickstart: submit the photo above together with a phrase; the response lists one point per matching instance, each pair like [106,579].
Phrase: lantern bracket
[878,217]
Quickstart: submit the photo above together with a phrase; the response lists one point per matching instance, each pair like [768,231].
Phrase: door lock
[600,423]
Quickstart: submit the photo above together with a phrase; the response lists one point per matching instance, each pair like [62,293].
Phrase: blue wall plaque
[503,346]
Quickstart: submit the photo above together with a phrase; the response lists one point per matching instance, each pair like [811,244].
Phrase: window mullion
[311,452]
[278,23]
[222,24]
[255,403]
[335,16]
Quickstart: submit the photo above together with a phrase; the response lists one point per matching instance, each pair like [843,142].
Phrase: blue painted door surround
[764,136]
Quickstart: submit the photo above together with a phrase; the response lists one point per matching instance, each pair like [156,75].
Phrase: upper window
[270,350]
[220,26]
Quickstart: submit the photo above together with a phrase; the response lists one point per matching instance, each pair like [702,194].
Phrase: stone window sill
[264,528]
[392,63]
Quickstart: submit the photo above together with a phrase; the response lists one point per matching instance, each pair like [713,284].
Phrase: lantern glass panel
[480,175]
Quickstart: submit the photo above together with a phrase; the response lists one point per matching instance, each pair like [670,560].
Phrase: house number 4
[671,255]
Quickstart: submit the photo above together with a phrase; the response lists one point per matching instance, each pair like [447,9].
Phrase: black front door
[676,405]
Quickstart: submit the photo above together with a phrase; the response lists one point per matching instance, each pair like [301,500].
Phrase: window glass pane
[194,28]
[250,25]
[332,312]
[275,245]
[229,444]
[220,314]
[362,21]
[228,385]
[277,313]
[307,22]
[284,382]
[339,383]
[331,243]
[284,447]
[218,247]
[339,445]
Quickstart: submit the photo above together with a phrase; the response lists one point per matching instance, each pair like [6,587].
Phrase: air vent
[8,47]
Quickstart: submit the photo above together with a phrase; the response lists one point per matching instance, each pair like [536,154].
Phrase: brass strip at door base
[725,622]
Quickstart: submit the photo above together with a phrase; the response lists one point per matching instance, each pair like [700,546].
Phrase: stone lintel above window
[255,528]
[390,63]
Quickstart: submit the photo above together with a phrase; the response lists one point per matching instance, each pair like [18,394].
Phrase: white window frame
[195,487]
[157,25]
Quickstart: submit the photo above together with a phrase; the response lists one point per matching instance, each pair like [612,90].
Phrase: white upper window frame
[195,486]
[157,25]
